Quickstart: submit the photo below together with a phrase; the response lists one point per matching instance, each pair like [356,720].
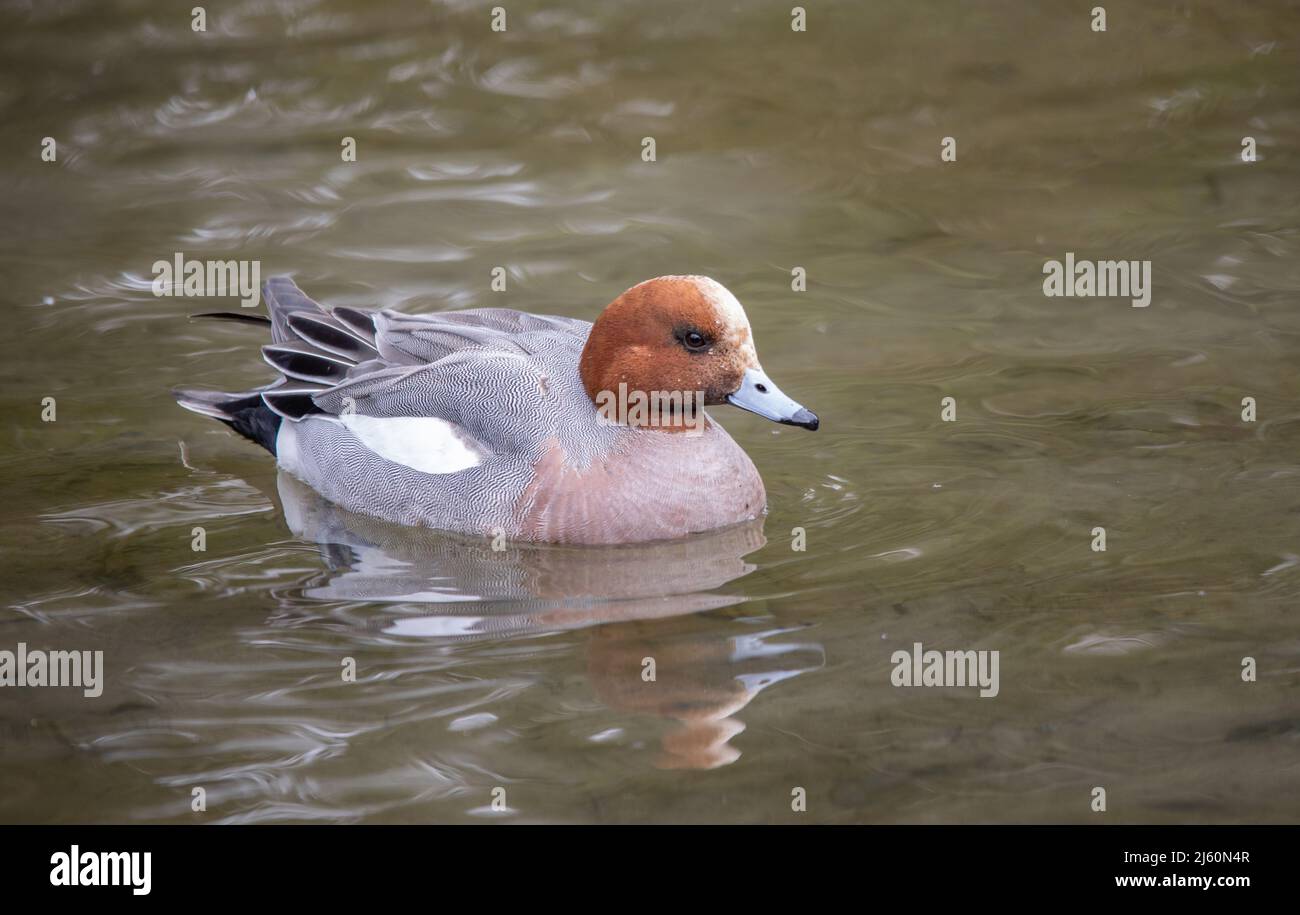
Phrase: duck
[512,425]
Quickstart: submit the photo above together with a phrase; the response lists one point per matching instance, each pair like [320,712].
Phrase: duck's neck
[674,412]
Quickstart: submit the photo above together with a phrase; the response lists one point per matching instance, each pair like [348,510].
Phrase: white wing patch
[423,443]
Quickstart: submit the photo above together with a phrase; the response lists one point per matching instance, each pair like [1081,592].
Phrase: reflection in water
[522,586]
[699,678]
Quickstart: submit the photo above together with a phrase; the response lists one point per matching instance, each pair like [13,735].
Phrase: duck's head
[683,334]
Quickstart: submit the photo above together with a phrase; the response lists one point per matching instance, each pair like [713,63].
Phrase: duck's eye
[693,339]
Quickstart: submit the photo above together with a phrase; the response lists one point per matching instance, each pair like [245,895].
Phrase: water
[523,670]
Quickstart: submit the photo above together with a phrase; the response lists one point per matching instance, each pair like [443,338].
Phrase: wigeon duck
[507,424]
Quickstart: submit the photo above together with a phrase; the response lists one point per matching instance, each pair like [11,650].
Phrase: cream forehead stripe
[731,314]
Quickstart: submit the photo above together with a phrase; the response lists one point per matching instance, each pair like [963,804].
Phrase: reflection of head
[700,745]
[702,676]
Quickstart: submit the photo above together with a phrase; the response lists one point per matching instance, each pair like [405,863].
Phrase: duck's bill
[758,394]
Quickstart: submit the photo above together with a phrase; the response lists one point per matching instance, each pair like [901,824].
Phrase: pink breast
[654,486]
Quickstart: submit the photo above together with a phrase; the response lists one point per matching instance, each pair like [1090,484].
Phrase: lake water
[523,670]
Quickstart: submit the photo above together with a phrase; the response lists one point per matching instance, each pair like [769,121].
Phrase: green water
[523,670]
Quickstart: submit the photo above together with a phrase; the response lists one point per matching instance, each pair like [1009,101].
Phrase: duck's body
[485,422]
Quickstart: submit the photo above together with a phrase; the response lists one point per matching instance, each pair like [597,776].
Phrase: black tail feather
[234,316]
[246,413]
[292,402]
[311,348]
[324,333]
[301,363]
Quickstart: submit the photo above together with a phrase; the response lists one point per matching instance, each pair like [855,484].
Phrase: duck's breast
[651,485]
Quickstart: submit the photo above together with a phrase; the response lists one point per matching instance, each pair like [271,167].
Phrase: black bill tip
[805,418]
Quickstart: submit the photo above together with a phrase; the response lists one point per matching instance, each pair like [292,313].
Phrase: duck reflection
[647,654]
[700,680]
[480,591]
